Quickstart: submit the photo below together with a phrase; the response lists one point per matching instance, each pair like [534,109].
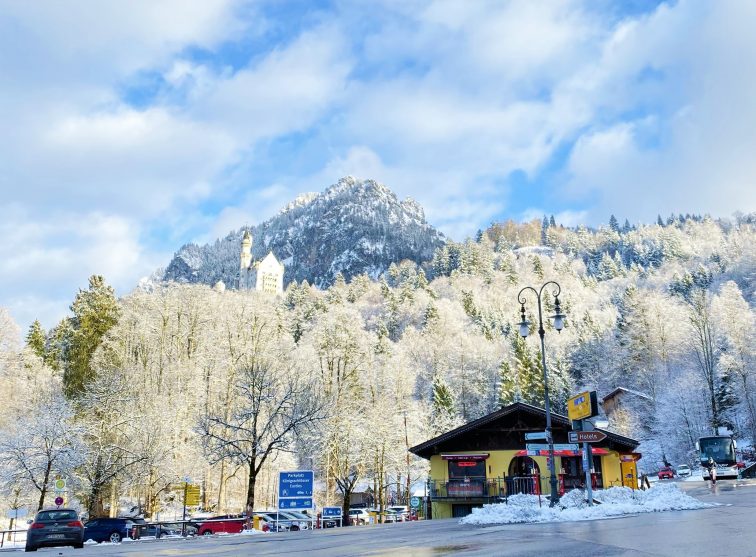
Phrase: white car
[401,510]
[683,471]
[359,516]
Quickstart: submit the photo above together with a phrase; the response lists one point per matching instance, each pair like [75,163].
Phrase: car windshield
[56,515]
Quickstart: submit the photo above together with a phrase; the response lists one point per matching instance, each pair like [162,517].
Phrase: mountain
[353,227]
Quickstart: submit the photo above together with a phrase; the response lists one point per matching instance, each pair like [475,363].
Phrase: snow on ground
[615,501]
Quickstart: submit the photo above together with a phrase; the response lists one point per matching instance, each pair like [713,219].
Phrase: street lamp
[558,318]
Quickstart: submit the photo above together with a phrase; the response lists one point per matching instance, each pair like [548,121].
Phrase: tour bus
[722,449]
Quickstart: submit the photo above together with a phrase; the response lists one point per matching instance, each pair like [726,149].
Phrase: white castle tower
[267,274]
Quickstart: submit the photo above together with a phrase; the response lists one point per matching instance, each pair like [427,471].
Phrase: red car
[666,473]
[227,524]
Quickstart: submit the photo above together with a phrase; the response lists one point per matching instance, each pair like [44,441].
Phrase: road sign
[331,512]
[583,405]
[557,447]
[295,503]
[59,485]
[415,502]
[295,484]
[586,436]
[192,495]
[16,513]
[59,501]
[537,435]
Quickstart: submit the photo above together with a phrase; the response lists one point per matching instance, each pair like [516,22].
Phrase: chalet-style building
[486,459]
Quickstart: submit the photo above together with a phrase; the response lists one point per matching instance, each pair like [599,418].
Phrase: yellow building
[485,460]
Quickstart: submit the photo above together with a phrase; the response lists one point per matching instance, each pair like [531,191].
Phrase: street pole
[558,324]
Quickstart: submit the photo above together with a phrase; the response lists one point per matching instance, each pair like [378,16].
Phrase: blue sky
[133,128]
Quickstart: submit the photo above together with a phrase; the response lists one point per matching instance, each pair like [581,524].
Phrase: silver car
[55,528]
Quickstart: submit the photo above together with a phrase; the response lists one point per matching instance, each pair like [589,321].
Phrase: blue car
[111,530]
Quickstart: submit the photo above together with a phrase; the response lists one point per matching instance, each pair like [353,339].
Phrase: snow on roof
[629,391]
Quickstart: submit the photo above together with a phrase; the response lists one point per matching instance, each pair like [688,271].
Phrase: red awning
[474,456]
[595,451]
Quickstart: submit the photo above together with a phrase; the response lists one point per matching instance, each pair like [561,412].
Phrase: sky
[131,128]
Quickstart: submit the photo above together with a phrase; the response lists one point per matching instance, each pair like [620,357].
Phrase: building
[487,459]
[622,397]
[266,275]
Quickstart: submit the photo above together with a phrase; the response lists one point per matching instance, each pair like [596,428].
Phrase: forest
[129,395]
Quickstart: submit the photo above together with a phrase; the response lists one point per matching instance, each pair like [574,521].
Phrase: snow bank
[615,501]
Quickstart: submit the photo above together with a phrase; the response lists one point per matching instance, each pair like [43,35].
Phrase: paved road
[724,530]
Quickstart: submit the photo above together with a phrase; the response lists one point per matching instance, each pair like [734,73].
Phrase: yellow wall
[497,466]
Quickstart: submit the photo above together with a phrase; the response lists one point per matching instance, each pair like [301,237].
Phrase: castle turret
[246,252]
[245,263]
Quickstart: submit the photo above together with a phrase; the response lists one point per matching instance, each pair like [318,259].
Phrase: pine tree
[95,311]
[552,222]
[544,228]
[659,220]
[626,227]
[614,223]
[35,339]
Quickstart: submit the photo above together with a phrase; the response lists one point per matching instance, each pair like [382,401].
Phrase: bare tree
[272,401]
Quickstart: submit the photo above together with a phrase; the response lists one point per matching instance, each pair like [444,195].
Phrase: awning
[473,456]
[595,451]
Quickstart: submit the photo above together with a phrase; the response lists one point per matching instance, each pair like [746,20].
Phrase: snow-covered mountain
[353,227]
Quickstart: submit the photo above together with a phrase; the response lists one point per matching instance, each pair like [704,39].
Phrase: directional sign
[331,512]
[557,447]
[295,484]
[586,436]
[295,503]
[536,435]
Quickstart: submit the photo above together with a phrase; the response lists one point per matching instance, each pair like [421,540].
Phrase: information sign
[536,435]
[415,502]
[582,406]
[295,484]
[295,503]
[331,512]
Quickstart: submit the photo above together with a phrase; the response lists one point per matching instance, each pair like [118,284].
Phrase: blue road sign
[295,503]
[295,484]
[331,512]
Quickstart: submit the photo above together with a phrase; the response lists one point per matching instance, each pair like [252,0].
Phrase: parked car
[683,471]
[298,521]
[223,524]
[359,516]
[280,523]
[401,510]
[55,528]
[666,473]
[161,529]
[111,530]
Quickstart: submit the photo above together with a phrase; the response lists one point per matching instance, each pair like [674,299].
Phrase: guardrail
[15,539]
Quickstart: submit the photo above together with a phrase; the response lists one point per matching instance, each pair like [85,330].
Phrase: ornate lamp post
[558,318]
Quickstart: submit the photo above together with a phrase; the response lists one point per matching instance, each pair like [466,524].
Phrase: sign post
[579,408]
[295,490]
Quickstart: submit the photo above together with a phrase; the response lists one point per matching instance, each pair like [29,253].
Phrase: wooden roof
[504,421]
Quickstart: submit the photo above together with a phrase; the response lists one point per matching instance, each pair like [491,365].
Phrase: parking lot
[725,529]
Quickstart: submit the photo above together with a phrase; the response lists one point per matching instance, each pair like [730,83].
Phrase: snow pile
[252,532]
[615,501]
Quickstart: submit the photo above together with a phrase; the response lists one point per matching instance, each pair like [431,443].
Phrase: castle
[267,274]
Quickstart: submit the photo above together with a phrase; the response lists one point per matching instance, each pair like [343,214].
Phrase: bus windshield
[721,449]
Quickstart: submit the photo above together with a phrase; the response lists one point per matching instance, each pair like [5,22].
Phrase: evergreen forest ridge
[385,319]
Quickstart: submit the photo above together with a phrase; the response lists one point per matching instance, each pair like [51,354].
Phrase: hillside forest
[128,396]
